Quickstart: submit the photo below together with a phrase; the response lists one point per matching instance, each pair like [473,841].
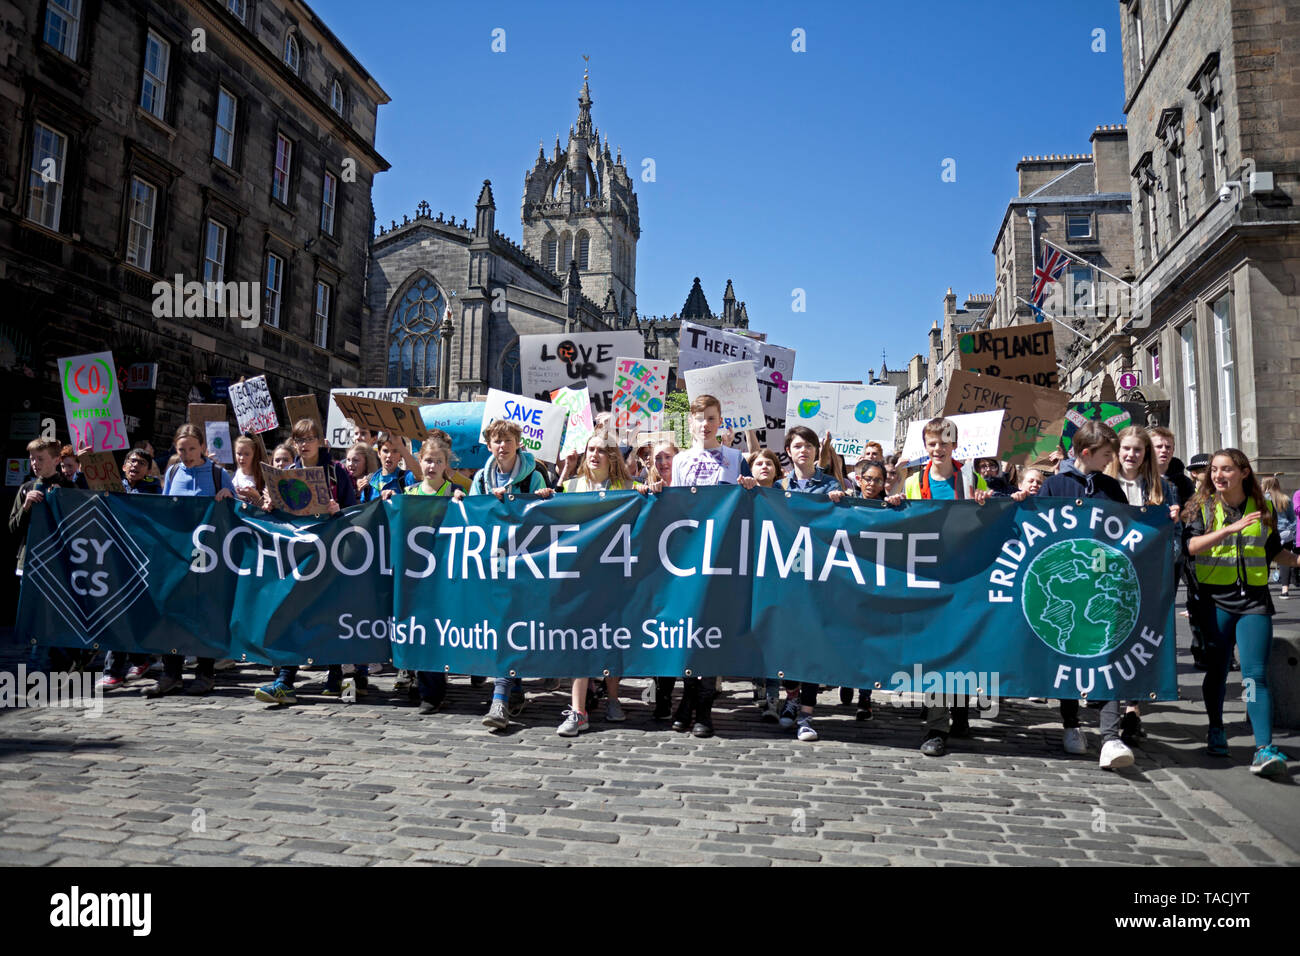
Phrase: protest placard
[218,442]
[1021,353]
[1118,415]
[704,347]
[653,438]
[338,430]
[200,415]
[92,402]
[549,362]
[978,436]
[577,409]
[101,471]
[299,491]
[396,418]
[463,422]
[640,386]
[541,422]
[298,407]
[254,410]
[853,414]
[1034,420]
[735,387]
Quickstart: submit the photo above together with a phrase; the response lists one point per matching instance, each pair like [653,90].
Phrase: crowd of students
[1232,527]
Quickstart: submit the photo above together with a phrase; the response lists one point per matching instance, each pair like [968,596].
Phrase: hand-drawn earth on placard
[1081,597]
[294,492]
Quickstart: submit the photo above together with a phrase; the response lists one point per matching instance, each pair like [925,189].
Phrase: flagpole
[1040,311]
[1083,261]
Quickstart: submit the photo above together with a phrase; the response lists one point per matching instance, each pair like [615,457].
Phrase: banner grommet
[694,489]
[600,494]
[446,668]
[877,685]
[310,662]
[173,649]
[605,672]
[1078,502]
[687,672]
[789,494]
[780,675]
[1152,695]
[33,642]
[1143,509]
[512,673]
[1083,697]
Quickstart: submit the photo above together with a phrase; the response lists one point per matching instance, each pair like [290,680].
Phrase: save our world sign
[1049,597]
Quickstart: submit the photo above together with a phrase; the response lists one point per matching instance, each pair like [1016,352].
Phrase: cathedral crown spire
[584,129]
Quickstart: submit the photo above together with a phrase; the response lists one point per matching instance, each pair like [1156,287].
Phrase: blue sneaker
[275,693]
[1269,762]
[1218,742]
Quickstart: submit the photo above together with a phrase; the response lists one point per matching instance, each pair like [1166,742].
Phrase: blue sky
[818,170]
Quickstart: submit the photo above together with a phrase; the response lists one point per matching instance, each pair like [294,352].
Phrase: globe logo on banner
[294,492]
[1081,597]
[865,412]
[90,571]
[809,407]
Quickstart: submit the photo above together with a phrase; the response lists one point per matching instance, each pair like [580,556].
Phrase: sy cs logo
[89,569]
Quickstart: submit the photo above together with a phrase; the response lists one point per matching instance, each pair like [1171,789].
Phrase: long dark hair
[1205,493]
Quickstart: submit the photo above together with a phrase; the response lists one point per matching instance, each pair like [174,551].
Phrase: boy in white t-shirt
[706,462]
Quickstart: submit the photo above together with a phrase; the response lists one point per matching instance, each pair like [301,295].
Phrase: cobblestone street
[224,780]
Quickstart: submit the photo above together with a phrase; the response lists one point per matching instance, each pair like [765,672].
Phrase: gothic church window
[511,378]
[584,249]
[413,336]
[566,253]
[550,249]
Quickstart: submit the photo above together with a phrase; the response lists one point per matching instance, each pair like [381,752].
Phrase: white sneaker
[1115,755]
[806,729]
[574,723]
[1076,741]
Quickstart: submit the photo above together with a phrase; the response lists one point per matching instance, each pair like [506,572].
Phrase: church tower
[579,207]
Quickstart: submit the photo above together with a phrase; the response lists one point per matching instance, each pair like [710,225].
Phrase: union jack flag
[1054,263]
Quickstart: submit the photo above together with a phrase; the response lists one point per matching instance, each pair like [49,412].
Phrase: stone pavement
[224,780]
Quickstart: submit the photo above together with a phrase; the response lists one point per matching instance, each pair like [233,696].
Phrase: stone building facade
[1212,95]
[1081,203]
[224,142]
[447,301]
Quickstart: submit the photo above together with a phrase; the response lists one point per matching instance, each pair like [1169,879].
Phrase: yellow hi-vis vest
[1221,564]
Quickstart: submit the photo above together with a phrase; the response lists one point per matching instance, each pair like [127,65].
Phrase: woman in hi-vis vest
[1232,537]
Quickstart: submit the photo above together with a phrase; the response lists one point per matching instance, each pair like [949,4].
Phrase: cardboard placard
[218,442]
[978,436]
[299,491]
[1034,420]
[200,415]
[101,471]
[736,388]
[541,422]
[640,386]
[550,362]
[396,418]
[1021,353]
[339,432]
[92,402]
[1118,415]
[254,409]
[578,427]
[16,471]
[853,414]
[463,422]
[298,407]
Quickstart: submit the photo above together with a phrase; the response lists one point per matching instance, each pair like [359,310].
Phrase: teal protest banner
[1048,597]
